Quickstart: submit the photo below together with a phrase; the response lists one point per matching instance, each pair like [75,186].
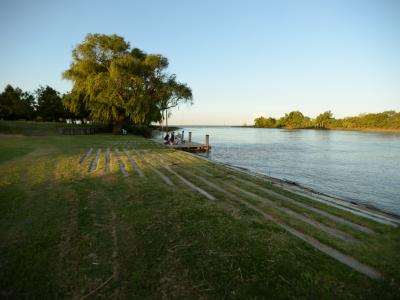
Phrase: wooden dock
[187,146]
[191,147]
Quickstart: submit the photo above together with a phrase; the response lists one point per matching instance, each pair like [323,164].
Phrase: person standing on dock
[172,140]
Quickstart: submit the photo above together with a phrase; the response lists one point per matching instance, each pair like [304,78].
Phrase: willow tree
[114,82]
[173,93]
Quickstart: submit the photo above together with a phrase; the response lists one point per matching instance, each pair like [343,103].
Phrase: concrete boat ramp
[299,218]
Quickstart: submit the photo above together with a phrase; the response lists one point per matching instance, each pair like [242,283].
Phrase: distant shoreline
[388,130]
[340,129]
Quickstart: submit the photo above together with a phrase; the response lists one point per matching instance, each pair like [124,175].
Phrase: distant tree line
[44,104]
[295,119]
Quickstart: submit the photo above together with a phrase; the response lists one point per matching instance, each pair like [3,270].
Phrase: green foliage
[263,122]
[114,83]
[16,104]
[140,130]
[49,104]
[323,119]
[295,119]
[173,93]
[385,120]
[74,109]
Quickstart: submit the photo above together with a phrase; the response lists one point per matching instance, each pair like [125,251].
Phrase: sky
[242,59]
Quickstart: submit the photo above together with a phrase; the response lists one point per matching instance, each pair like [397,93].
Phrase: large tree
[115,83]
[75,108]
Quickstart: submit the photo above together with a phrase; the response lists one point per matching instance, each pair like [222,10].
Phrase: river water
[363,167]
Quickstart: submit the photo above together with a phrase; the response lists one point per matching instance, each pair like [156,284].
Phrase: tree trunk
[166,121]
[117,128]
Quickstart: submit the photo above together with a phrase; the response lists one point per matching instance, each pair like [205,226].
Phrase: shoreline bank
[368,211]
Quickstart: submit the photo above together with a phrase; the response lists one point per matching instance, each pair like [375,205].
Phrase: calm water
[359,166]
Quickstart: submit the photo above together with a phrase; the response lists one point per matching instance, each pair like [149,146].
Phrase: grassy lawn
[66,232]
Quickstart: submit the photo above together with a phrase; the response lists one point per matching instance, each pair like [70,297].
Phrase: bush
[141,130]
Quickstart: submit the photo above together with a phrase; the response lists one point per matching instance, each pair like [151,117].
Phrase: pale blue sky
[241,58]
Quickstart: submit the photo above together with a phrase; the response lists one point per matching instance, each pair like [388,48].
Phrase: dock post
[207,141]
[190,136]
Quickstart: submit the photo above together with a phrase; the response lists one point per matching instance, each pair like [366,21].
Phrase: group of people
[173,139]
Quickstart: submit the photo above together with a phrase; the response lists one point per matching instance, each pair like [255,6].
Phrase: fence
[78,131]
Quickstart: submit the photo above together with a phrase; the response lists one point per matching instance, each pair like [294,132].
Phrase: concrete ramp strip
[332,231]
[316,210]
[93,165]
[121,164]
[297,203]
[161,175]
[339,256]
[337,233]
[86,156]
[185,181]
[133,164]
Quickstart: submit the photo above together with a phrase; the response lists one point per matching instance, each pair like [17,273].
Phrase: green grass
[64,232]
